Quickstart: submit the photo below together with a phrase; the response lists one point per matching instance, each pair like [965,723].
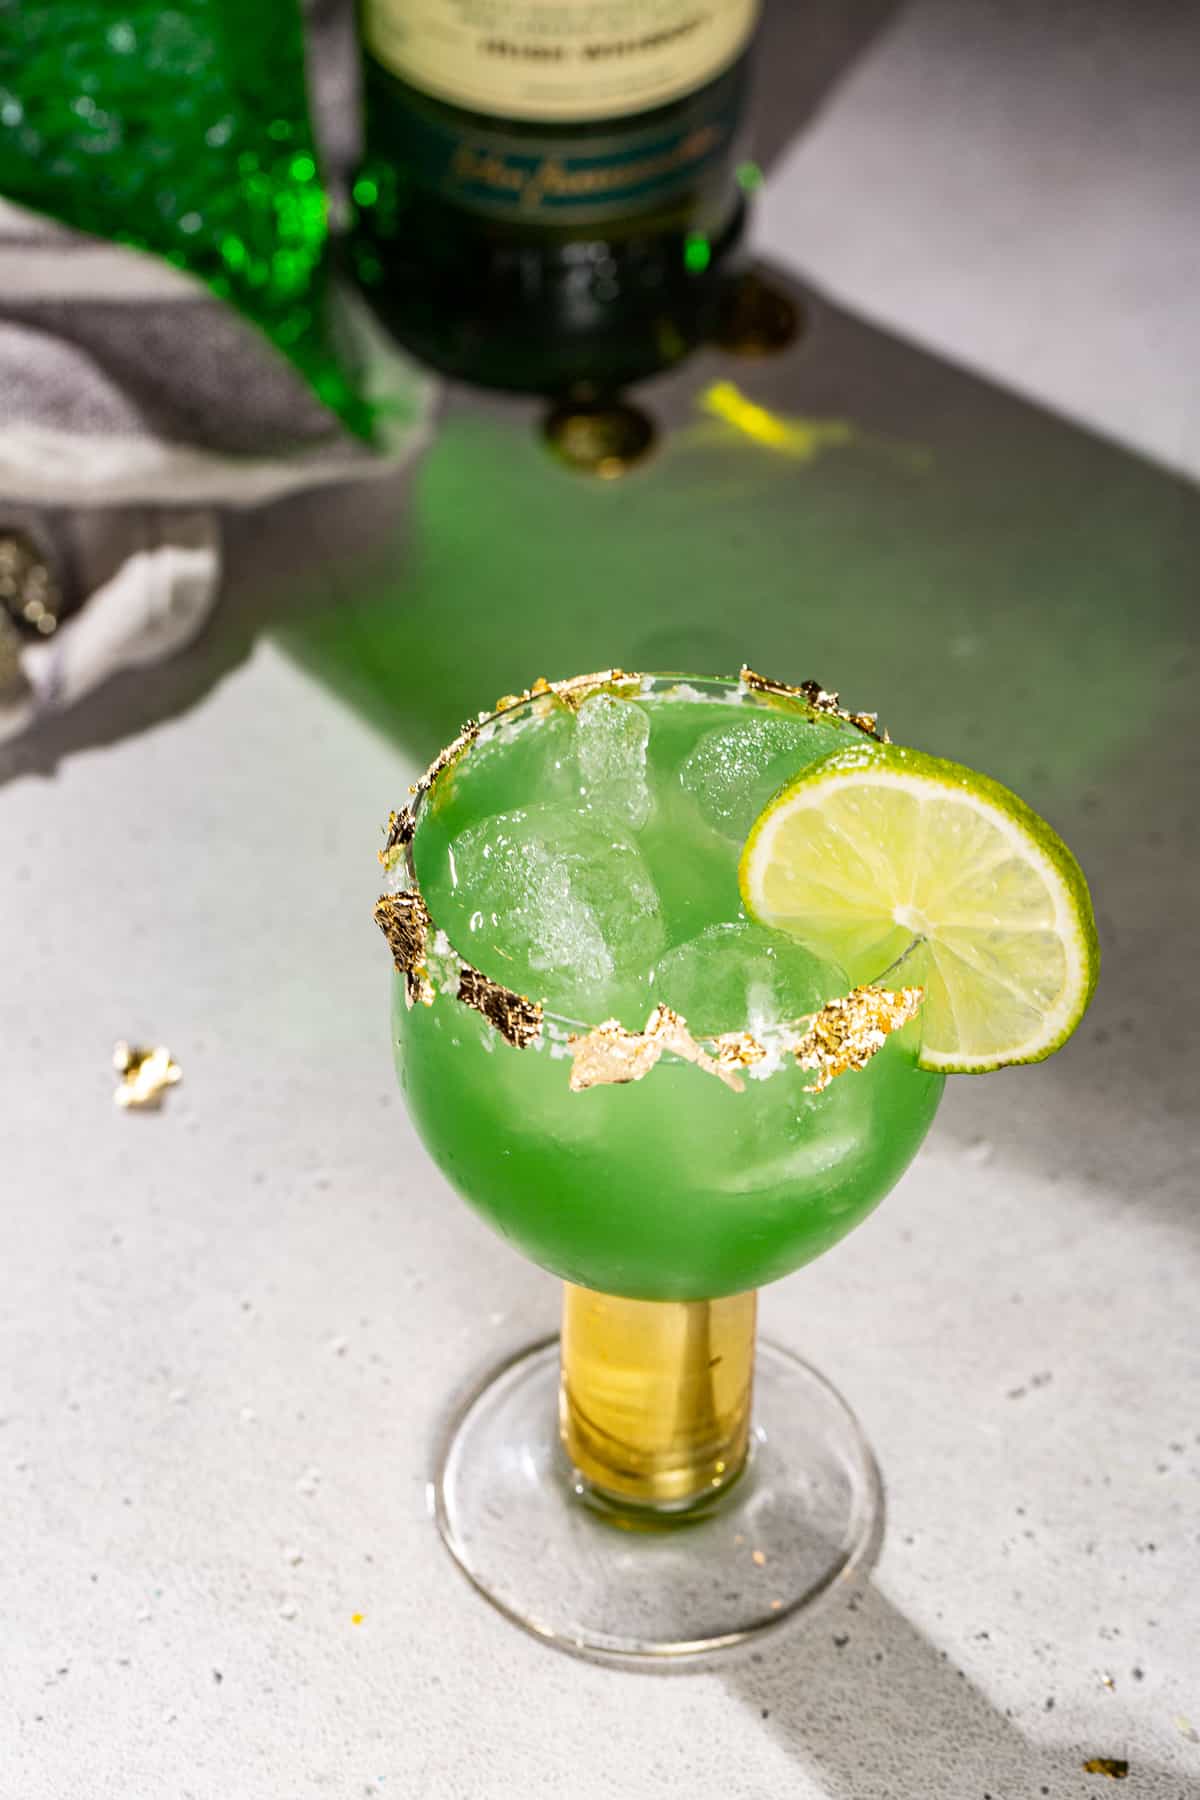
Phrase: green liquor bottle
[548,192]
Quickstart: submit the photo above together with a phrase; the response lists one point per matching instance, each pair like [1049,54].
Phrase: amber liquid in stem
[654,1400]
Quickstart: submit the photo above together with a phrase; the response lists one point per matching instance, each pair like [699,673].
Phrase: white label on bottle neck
[546,60]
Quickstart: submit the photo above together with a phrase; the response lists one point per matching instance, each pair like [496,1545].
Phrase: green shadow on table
[1003,587]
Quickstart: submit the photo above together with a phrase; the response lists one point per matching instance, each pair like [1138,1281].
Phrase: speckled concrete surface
[230,1330]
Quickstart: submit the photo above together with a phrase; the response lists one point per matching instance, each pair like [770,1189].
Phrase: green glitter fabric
[182,130]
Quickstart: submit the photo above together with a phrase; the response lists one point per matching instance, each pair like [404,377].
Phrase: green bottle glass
[548,193]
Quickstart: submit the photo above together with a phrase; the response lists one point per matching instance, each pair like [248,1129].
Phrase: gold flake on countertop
[822,700]
[146,1074]
[516,1018]
[405,923]
[848,1032]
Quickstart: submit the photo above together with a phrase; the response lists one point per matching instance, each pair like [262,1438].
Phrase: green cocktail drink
[588,859]
[681,966]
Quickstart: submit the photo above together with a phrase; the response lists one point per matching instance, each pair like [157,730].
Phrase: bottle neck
[654,1400]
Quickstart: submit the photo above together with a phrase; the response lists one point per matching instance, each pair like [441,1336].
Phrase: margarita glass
[608,1060]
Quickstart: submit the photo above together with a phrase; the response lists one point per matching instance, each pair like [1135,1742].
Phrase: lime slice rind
[875,841]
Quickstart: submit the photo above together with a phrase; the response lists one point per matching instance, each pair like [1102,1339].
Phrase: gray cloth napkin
[134,408]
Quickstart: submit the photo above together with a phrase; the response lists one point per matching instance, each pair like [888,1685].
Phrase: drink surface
[589,860]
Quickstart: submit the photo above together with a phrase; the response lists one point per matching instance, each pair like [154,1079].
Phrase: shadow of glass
[868,1707]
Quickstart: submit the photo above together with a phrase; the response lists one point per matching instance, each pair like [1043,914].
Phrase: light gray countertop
[231,1329]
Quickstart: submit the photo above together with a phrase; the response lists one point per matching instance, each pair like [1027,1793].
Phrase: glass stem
[654,1398]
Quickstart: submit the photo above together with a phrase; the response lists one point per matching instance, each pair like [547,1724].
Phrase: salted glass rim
[752,1048]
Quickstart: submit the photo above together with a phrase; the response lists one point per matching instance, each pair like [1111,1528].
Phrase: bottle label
[557,60]
[573,181]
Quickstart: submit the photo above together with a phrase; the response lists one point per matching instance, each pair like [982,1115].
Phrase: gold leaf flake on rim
[610,1055]
[740,1050]
[405,923]
[848,1032]
[534,691]
[517,1019]
[401,828]
[579,688]
[570,693]
[822,700]
[668,1029]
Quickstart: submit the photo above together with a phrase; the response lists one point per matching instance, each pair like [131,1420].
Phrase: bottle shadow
[867,1705]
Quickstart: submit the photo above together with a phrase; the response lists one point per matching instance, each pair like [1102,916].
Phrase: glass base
[638,1585]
